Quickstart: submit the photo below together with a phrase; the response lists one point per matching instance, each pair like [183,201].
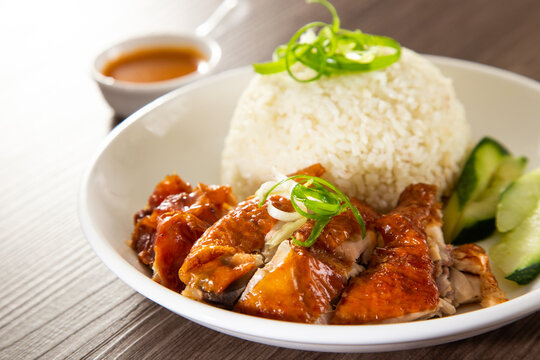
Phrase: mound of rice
[375,132]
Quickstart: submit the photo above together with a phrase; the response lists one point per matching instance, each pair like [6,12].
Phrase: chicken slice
[400,283]
[472,278]
[170,185]
[223,259]
[207,202]
[295,285]
[176,233]
[143,237]
[175,217]
[302,284]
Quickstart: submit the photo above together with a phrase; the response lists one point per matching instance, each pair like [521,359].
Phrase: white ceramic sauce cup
[127,97]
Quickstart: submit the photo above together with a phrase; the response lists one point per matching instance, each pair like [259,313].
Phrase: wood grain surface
[57,299]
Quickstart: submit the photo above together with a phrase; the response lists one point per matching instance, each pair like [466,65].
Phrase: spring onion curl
[320,200]
[332,51]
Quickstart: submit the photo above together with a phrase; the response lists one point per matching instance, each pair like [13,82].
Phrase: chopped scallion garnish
[317,199]
[332,50]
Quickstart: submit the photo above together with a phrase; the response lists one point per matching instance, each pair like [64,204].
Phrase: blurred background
[49,46]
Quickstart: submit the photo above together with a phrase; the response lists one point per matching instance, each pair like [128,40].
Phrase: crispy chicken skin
[230,249]
[297,285]
[175,217]
[172,194]
[175,234]
[170,185]
[223,260]
[399,284]
[143,237]
[302,284]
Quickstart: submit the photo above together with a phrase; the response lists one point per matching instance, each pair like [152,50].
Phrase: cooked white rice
[374,132]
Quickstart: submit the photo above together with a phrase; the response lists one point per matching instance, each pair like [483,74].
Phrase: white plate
[183,132]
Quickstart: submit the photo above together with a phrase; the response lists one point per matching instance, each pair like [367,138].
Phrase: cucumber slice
[517,254]
[518,201]
[469,214]
[478,170]
[477,220]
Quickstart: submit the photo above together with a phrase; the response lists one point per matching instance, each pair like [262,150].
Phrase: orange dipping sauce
[156,63]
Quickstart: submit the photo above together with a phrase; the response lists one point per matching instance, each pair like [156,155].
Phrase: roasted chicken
[400,283]
[414,275]
[472,279]
[175,217]
[223,260]
[244,257]
[302,284]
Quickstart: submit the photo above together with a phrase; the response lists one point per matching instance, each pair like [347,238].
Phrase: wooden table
[57,299]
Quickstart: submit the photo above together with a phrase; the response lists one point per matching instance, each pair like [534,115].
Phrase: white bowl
[163,138]
[127,97]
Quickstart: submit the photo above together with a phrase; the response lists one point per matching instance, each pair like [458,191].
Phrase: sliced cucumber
[518,201]
[478,216]
[517,254]
[478,170]
[470,212]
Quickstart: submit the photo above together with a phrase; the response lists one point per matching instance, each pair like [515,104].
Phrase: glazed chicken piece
[229,252]
[223,260]
[175,217]
[302,284]
[400,283]
[143,237]
[176,233]
[296,285]
[472,279]
[312,170]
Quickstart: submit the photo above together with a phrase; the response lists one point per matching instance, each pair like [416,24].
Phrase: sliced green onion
[315,232]
[332,50]
[321,202]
